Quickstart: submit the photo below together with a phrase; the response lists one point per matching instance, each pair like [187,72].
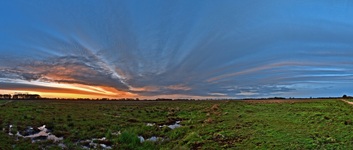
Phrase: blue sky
[179,49]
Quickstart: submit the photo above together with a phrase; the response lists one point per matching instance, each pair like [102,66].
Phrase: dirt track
[348,102]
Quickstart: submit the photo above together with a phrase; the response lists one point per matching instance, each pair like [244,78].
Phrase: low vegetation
[280,124]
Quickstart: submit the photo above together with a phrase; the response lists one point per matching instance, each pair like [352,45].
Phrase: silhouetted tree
[5,96]
[344,96]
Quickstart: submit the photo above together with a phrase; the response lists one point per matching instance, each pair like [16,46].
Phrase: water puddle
[175,125]
[150,124]
[95,143]
[39,134]
[152,139]
[43,134]
[10,128]
[171,126]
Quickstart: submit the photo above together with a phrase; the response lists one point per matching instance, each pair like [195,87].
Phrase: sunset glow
[62,90]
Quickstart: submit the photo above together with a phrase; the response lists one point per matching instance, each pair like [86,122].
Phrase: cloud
[178,87]
[242,93]
[217,94]
[71,69]
[256,69]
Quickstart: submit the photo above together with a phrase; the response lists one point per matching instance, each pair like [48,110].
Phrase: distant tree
[344,96]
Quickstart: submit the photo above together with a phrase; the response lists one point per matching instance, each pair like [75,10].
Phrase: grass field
[3,101]
[289,124]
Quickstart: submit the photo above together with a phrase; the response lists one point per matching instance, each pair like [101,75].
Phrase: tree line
[20,96]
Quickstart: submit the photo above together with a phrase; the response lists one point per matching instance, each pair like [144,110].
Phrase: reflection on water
[155,138]
[101,143]
[39,134]
[152,139]
[175,125]
[44,134]
[171,126]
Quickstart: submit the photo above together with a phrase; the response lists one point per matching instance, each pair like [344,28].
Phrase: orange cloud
[66,90]
[145,89]
[179,87]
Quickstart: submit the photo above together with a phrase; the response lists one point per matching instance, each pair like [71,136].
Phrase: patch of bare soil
[348,102]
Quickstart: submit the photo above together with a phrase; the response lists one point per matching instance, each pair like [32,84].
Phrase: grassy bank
[205,124]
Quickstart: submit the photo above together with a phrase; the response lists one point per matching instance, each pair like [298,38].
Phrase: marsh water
[43,134]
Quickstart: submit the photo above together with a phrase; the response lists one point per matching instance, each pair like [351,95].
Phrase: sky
[177,48]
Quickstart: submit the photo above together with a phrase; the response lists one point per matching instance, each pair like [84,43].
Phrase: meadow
[256,124]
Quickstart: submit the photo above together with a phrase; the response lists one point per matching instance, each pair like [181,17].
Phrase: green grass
[3,101]
[350,100]
[320,124]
